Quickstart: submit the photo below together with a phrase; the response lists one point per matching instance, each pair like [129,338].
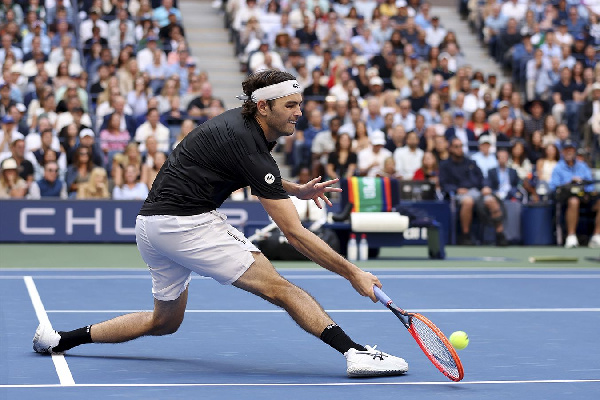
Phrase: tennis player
[179,231]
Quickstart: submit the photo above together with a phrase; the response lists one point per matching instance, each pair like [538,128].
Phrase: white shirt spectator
[367,157]
[514,9]
[161,133]
[407,161]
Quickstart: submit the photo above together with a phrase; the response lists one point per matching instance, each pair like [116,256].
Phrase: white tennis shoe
[45,339]
[571,242]
[373,363]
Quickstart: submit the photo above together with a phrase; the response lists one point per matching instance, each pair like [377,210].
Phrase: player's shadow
[178,367]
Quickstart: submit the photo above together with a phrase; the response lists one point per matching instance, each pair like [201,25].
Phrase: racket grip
[381,296]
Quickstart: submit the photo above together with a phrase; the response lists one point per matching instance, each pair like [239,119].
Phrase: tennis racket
[429,338]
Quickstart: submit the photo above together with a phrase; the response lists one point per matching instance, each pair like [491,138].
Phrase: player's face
[281,118]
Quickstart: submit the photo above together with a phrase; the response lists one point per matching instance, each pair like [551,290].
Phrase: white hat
[9,163]
[21,107]
[376,80]
[86,132]
[596,86]
[377,138]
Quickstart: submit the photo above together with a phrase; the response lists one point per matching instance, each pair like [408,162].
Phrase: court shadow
[213,367]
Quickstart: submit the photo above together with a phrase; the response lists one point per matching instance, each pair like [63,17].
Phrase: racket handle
[382,297]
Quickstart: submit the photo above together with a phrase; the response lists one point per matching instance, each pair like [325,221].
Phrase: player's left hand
[315,190]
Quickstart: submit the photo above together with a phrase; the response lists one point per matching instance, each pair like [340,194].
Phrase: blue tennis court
[531,331]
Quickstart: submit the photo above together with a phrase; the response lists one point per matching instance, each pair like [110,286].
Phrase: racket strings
[436,347]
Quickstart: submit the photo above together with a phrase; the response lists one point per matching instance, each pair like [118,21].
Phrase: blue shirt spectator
[569,169]
[161,14]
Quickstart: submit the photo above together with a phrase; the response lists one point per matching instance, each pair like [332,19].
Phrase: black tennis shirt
[223,154]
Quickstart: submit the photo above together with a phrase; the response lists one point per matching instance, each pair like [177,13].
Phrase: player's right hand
[363,283]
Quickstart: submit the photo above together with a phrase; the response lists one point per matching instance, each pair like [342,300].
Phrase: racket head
[436,346]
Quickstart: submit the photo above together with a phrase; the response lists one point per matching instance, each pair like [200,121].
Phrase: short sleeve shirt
[218,157]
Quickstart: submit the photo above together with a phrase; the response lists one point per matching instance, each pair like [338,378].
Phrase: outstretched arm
[286,217]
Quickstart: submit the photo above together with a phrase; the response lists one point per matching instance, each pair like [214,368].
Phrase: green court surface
[127,256]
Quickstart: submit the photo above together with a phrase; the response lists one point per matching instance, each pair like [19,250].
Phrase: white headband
[275,91]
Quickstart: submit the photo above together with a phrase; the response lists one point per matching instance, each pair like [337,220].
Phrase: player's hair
[259,80]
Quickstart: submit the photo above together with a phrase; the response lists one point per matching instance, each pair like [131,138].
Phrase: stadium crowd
[95,93]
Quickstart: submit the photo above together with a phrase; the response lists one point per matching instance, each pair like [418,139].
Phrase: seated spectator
[12,186]
[153,127]
[408,158]
[119,106]
[137,99]
[323,144]
[371,160]
[161,14]
[48,143]
[518,159]
[78,172]
[485,159]
[96,187]
[342,162]
[23,158]
[145,56]
[157,70]
[478,123]
[504,180]
[569,170]
[567,97]
[459,130]
[589,118]
[48,186]
[186,127]
[497,138]
[199,107]
[149,171]
[86,28]
[112,138]
[132,188]
[131,155]
[429,170]
[463,177]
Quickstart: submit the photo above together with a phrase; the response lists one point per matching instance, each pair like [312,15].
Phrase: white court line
[151,385]
[62,368]
[332,311]
[332,276]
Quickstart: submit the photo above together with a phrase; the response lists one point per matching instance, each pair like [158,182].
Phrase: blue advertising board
[113,221]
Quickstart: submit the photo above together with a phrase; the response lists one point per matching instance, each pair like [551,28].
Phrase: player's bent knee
[163,327]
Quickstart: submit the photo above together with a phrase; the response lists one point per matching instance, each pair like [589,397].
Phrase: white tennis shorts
[175,246]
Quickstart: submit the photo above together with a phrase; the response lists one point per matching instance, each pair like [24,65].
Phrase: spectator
[112,138]
[567,97]
[149,171]
[48,143]
[569,170]
[408,158]
[371,160]
[186,127]
[504,180]
[137,99]
[536,108]
[12,186]
[146,55]
[497,138]
[87,26]
[519,161]
[96,186]
[484,158]
[161,14]
[545,165]
[200,106]
[459,130]
[132,188]
[441,149]
[48,186]
[87,138]
[342,162]
[429,170]
[461,176]
[405,116]
[78,172]
[589,119]
[323,144]
[153,127]
[119,106]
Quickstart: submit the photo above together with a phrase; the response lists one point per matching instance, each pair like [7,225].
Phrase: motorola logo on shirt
[269,178]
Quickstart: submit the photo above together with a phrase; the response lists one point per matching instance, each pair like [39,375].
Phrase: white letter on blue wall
[96,221]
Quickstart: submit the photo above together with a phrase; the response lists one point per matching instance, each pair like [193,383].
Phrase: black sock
[334,336]
[70,339]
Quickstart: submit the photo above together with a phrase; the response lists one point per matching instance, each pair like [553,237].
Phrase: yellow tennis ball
[459,340]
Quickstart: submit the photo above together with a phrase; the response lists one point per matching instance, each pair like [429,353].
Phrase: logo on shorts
[296,86]
[235,237]
[269,178]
